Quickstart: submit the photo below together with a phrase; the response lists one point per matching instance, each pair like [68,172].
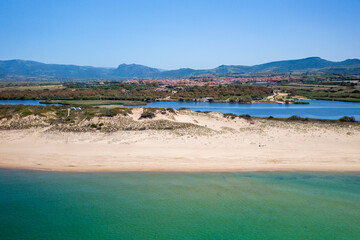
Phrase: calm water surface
[24,102]
[44,205]
[316,109]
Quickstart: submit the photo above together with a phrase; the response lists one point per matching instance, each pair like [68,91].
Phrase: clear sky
[171,34]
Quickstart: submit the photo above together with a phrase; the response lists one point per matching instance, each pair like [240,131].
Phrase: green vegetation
[229,115]
[240,99]
[297,102]
[324,87]
[224,93]
[343,120]
[151,112]
[297,118]
[60,113]
[112,119]
[26,113]
[324,90]
[128,93]
[21,69]
[8,111]
[111,112]
[245,116]
[32,86]
[148,113]
[347,119]
[171,110]
[93,102]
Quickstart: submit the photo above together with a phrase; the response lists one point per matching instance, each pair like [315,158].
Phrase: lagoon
[24,102]
[54,205]
[318,109]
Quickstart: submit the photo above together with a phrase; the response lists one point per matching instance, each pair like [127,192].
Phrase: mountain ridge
[27,68]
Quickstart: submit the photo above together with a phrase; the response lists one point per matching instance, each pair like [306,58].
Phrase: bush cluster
[347,119]
[297,118]
[229,115]
[245,116]
[147,113]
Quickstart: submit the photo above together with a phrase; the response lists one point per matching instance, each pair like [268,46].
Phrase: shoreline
[260,170]
[184,141]
[144,103]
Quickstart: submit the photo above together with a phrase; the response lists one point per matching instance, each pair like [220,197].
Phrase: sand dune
[214,144]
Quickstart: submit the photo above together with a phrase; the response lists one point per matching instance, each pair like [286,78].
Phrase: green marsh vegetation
[338,87]
[25,86]
[298,102]
[93,102]
[127,93]
[323,90]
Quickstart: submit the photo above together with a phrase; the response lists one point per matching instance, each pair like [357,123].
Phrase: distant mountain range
[26,69]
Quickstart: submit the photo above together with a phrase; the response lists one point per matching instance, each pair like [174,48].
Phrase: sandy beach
[214,144]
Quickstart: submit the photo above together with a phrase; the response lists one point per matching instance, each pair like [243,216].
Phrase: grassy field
[322,92]
[33,87]
[94,102]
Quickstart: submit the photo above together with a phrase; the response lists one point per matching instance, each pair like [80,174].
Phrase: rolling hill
[25,69]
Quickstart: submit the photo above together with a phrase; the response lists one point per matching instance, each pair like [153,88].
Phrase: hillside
[12,69]
[37,69]
[133,71]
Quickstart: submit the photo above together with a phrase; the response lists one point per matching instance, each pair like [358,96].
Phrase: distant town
[253,80]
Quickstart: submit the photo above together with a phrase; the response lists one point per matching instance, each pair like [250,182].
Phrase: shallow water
[45,205]
[18,102]
[316,109]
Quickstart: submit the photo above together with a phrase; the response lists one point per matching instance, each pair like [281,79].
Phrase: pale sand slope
[225,145]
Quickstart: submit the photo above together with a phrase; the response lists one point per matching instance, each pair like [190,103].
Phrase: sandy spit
[220,145]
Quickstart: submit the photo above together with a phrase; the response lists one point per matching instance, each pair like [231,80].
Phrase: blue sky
[173,34]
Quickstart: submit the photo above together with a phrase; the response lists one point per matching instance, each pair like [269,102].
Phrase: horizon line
[163,69]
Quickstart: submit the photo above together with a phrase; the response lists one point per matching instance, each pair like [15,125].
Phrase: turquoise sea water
[46,205]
